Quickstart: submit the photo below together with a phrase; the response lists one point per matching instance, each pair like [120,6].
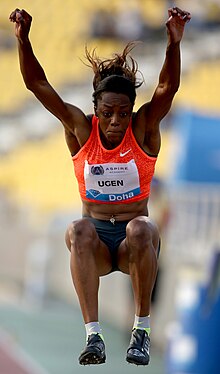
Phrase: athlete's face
[114,112]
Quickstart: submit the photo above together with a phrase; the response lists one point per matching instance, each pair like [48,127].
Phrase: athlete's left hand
[176,23]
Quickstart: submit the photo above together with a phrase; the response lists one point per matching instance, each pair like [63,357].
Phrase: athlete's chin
[115,137]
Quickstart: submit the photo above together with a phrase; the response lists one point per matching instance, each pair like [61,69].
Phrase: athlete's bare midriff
[120,212]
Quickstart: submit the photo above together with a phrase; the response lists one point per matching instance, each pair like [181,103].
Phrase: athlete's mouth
[114,132]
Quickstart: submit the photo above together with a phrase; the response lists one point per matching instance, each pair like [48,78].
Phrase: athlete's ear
[95,110]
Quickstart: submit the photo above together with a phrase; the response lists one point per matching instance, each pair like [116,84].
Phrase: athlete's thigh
[103,258]
[123,250]
[123,257]
[101,252]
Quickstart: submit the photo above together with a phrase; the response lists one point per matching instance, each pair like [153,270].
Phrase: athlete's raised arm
[169,78]
[150,114]
[36,81]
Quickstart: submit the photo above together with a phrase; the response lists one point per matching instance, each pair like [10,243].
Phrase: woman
[114,154]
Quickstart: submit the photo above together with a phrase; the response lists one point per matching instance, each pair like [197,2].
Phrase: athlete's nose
[115,120]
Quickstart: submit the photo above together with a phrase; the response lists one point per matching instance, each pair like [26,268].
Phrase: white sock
[93,328]
[142,323]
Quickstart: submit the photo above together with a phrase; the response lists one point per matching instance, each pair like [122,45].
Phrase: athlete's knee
[139,231]
[142,238]
[81,235]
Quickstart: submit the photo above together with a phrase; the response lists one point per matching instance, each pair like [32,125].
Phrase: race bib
[111,182]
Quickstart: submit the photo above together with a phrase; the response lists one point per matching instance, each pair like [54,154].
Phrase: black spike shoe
[94,353]
[138,350]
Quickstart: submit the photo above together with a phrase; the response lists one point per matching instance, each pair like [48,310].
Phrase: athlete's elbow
[29,87]
[176,87]
[169,88]
[172,88]
[33,85]
[29,84]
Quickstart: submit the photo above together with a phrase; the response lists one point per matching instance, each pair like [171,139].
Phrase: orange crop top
[116,176]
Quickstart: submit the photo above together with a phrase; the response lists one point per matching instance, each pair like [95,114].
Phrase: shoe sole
[132,360]
[90,358]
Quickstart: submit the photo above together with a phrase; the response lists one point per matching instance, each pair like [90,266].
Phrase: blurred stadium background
[41,327]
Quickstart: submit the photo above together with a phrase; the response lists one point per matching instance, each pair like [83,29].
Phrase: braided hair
[115,74]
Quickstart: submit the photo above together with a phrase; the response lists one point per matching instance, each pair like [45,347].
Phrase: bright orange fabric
[108,170]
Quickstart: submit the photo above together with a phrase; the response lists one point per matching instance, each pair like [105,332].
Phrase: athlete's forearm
[31,69]
[170,73]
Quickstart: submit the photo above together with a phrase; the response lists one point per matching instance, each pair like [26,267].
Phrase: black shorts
[110,234]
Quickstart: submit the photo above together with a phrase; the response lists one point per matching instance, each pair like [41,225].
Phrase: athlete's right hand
[22,22]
